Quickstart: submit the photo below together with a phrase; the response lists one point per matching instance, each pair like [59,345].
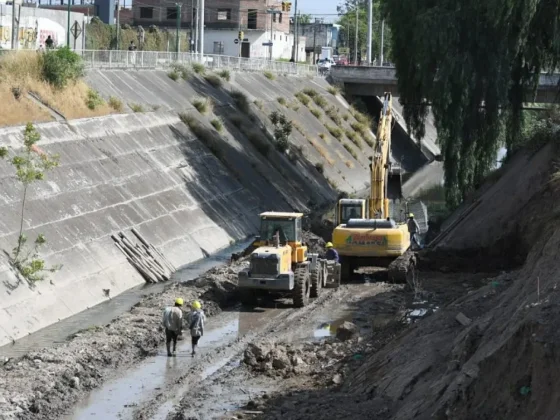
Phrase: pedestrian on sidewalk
[173,323]
[195,320]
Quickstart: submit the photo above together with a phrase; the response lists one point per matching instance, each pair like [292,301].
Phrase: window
[280,18]
[289,230]
[224,14]
[352,211]
[274,17]
[171,13]
[252,19]
[146,13]
[219,48]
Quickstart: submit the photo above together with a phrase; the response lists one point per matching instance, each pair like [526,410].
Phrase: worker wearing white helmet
[173,324]
[413,229]
[195,320]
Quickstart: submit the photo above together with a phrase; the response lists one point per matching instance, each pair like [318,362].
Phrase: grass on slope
[21,73]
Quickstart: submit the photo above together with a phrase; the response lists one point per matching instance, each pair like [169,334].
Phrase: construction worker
[413,229]
[195,320]
[331,254]
[173,323]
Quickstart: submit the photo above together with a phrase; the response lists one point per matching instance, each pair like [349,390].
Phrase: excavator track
[403,269]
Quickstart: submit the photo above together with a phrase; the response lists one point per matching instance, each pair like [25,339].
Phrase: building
[223,20]
[318,34]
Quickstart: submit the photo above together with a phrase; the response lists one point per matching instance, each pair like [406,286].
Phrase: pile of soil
[315,244]
[43,384]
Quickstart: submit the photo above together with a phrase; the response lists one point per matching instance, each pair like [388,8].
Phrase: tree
[304,19]
[347,34]
[30,167]
[472,61]
[282,130]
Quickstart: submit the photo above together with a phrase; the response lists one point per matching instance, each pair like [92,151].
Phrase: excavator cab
[348,208]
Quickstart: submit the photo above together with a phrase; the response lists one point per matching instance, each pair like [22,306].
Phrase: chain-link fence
[113,59]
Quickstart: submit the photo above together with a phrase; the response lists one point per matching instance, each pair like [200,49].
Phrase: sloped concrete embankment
[500,361]
[310,135]
[139,170]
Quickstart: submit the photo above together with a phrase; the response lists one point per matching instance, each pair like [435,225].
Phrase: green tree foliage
[31,166]
[472,61]
[347,34]
[304,19]
[282,130]
[62,66]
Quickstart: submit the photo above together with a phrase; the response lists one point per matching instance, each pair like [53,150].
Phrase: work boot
[169,354]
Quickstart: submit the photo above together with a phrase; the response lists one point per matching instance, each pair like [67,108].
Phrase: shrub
[295,106]
[173,75]
[93,99]
[214,80]
[115,103]
[333,90]
[320,101]
[317,113]
[369,140]
[335,131]
[281,100]
[269,75]
[258,103]
[320,167]
[353,137]
[203,105]
[362,118]
[359,128]
[351,150]
[241,101]
[349,164]
[199,68]
[182,71]
[332,112]
[303,98]
[136,107]
[225,74]
[322,136]
[282,130]
[217,124]
[310,92]
[345,116]
[62,66]
[202,133]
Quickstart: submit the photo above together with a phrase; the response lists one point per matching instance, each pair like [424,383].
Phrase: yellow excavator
[366,235]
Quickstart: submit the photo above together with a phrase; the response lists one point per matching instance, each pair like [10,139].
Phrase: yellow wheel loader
[281,263]
[366,235]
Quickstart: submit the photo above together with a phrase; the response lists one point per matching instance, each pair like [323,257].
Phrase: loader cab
[347,209]
[289,228]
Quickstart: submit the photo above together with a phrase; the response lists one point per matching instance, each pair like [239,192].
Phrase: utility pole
[201,36]
[382,36]
[369,30]
[14,30]
[271,29]
[118,25]
[314,40]
[196,27]
[67,26]
[294,55]
[356,40]
[178,27]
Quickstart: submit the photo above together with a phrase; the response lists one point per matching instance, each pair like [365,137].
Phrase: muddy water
[118,398]
[106,311]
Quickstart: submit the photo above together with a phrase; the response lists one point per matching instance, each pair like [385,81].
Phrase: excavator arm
[380,163]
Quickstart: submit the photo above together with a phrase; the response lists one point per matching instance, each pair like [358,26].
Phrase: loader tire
[302,287]
[317,279]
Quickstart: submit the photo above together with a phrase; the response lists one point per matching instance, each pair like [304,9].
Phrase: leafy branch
[31,166]
[282,130]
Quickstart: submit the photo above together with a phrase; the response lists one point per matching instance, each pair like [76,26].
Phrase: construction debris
[463,319]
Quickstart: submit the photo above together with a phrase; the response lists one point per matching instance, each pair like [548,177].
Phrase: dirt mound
[43,384]
[315,244]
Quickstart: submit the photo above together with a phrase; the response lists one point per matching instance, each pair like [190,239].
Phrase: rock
[255,353]
[337,379]
[346,331]
[298,361]
[75,382]
[462,319]
[280,361]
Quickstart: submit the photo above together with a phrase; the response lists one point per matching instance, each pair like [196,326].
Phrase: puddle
[105,312]
[118,398]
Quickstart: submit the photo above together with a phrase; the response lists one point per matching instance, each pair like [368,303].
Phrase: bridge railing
[113,59]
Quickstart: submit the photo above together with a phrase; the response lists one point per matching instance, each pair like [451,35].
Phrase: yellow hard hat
[411,215]
[196,305]
[329,245]
[179,301]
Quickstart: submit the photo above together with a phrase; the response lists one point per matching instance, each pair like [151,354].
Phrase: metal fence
[113,59]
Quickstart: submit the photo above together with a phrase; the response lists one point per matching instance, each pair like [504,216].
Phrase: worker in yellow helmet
[331,254]
[173,324]
[195,320]
[413,229]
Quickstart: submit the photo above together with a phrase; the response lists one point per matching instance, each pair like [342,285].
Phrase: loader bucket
[394,186]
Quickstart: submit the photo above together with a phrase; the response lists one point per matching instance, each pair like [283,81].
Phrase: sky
[318,8]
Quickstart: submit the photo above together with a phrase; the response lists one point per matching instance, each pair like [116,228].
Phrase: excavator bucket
[394,186]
